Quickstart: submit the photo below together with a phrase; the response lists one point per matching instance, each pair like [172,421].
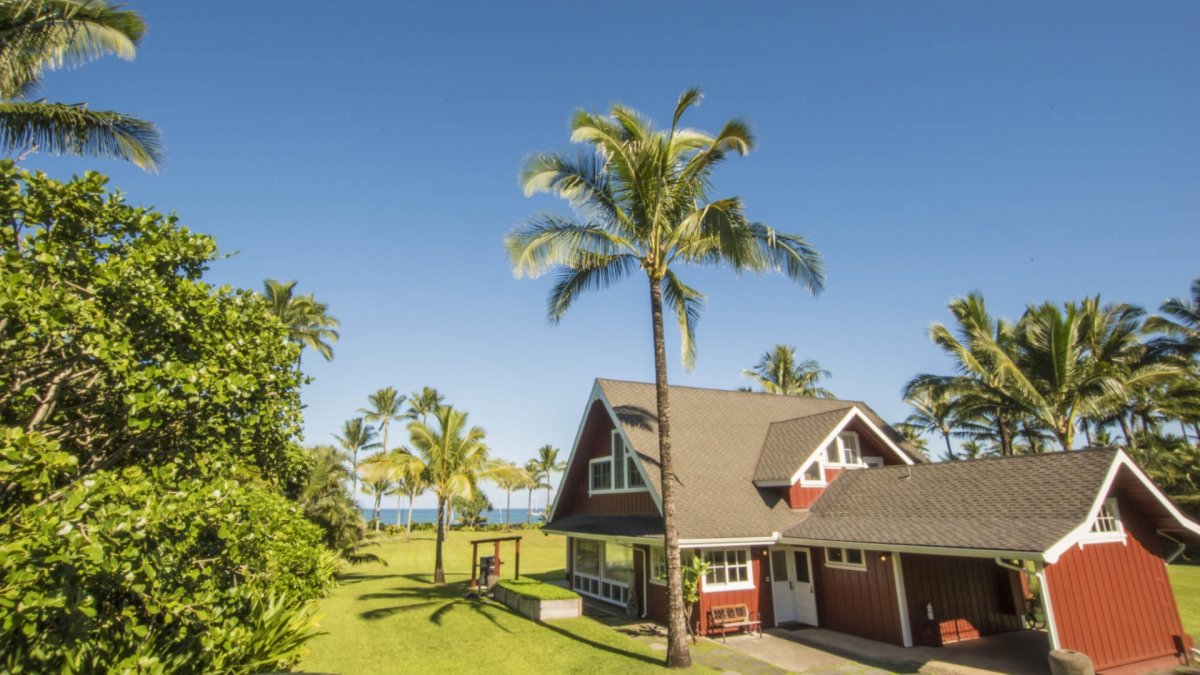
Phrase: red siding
[861,603]
[751,597]
[800,497]
[656,602]
[1114,601]
[971,597]
[596,441]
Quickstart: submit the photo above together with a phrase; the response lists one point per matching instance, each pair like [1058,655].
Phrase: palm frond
[62,129]
[589,272]
[687,303]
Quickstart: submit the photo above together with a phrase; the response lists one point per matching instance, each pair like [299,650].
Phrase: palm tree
[536,482]
[547,465]
[325,501]
[642,201]
[512,478]
[913,435]
[424,402]
[385,405]
[1181,324]
[778,373]
[308,321]
[933,411]
[40,35]
[455,459]
[356,436]
[377,474]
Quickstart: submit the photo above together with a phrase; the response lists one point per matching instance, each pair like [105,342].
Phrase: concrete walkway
[815,650]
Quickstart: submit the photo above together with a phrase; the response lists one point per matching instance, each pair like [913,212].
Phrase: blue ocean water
[388,516]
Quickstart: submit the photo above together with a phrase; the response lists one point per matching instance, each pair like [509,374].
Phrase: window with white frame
[813,472]
[602,569]
[728,569]
[618,472]
[847,558]
[658,565]
[1107,525]
[844,450]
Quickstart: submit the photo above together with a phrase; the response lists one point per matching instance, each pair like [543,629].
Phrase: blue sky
[1031,151]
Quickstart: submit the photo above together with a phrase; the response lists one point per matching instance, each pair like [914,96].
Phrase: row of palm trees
[444,455]
[1058,373]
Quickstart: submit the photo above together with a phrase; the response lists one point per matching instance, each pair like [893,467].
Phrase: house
[815,511]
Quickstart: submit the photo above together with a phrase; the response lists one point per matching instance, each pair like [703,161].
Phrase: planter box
[539,610]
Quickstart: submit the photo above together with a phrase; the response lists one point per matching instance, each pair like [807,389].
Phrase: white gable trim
[1080,533]
[852,414]
[598,395]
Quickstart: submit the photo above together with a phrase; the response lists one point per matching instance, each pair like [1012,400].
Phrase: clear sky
[1032,151]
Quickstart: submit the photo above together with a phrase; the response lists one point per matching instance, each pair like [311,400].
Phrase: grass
[1186,580]
[387,619]
[537,590]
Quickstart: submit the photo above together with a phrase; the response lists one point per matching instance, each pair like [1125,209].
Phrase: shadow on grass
[348,578]
[600,645]
[446,598]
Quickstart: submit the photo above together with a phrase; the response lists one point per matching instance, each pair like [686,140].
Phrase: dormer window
[616,473]
[1107,525]
[844,450]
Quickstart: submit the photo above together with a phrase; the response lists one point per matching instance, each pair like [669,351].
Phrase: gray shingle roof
[1012,504]
[623,526]
[791,442]
[717,437]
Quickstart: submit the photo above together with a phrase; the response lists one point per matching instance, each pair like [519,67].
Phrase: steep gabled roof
[791,442]
[717,437]
[1024,503]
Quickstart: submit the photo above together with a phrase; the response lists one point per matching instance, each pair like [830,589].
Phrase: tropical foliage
[643,204]
[777,372]
[41,35]
[147,421]
[308,321]
[357,436]
[543,467]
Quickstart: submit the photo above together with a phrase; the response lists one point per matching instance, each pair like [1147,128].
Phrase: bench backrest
[730,613]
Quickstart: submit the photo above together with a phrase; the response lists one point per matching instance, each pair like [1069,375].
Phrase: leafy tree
[40,35]
[455,459]
[308,321]
[327,503]
[146,428]
[547,464]
[356,437]
[692,574]
[778,373]
[642,199]
[470,509]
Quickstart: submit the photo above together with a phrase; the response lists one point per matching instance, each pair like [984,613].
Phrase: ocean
[388,516]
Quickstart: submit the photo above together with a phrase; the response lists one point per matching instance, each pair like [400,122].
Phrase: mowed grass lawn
[392,619]
[1186,580]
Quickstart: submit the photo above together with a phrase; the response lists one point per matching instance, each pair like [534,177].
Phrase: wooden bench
[724,617]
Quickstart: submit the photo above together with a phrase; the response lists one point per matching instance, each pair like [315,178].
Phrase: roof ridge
[1035,457]
[732,391]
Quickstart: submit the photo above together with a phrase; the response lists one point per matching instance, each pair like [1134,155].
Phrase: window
[728,569]
[618,472]
[658,566]
[812,472]
[587,557]
[602,570]
[618,563]
[846,558]
[601,474]
[1107,525]
[844,449]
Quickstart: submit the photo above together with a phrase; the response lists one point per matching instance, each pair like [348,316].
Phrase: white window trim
[611,459]
[845,565]
[841,452]
[706,587]
[655,552]
[1106,537]
[824,481]
[600,579]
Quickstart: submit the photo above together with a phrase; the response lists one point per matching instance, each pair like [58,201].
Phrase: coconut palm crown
[777,372]
[642,201]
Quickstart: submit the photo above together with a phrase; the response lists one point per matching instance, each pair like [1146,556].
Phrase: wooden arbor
[496,541]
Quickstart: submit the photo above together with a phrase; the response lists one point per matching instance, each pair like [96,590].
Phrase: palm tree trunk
[1183,430]
[399,500]
[1196,430]
[1087,431]
[949,451]
[412,497]
[529,508]
[546,511]
[375,512]
[1006,447]
[507,507]
[677,647]
[439,575]
[1130,440]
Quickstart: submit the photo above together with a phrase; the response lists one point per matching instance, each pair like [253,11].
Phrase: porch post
[1044,592]
[902,600]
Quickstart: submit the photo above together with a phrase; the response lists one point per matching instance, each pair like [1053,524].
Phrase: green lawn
[387,619]
[1186,580]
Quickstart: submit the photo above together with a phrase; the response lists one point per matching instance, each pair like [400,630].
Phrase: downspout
[1009,566]
[1044,591]
[645,575]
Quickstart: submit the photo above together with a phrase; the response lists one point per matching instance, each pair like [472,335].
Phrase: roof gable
[790,443]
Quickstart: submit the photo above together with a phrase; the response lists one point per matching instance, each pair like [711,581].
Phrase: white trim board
[854,413]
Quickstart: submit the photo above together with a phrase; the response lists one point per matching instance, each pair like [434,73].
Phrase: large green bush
[147,426]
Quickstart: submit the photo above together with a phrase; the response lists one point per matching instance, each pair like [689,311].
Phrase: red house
[815,511]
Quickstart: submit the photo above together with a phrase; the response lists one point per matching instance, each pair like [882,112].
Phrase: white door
[791,586]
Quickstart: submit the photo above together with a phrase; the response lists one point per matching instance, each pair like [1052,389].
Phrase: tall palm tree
[509,477]
[308,321]
[537,481]
[778,373]
[424,402]
[1181,323]
[377,475]
[933,411]
[325,501]
[356,437]
[41,35]
[385,405]
[642,199]
[547,464]
[455,459]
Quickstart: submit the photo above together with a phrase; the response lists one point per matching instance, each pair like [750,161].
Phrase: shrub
[538,590]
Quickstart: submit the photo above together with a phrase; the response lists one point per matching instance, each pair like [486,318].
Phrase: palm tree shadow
[600,645]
